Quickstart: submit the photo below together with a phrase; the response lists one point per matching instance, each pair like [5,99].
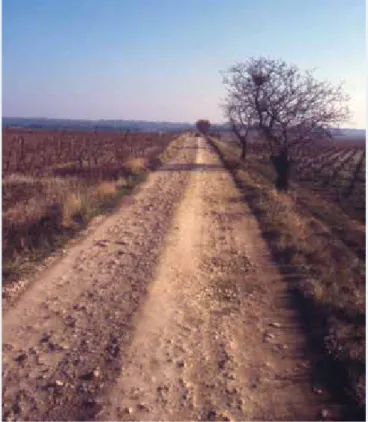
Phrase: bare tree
[241,121]
[203,126]
[288,107]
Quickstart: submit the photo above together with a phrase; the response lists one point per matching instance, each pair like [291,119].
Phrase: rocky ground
[171,309]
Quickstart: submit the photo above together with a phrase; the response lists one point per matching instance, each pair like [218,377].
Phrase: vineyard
[334,170]
[41,153]
[54,181]
[337,173]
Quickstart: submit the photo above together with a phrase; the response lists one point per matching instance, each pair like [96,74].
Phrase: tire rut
[217,338]
[175,311]
[64,338]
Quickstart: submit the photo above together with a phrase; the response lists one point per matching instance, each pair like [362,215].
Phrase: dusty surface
[170,310]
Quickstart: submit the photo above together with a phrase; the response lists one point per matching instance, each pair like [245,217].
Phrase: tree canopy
[286,105]
[203,126]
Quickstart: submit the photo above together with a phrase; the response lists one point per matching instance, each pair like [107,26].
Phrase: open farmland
[336,172]
[199,267]
[317,231]
[333,170]
[184,229]
[54,181]
[43,153]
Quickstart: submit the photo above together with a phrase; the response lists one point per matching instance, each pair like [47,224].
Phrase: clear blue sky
[160,59]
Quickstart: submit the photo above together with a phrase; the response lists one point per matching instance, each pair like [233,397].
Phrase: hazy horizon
[160,60]
[342,127]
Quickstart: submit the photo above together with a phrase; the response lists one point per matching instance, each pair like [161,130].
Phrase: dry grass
[74,207]
[325,269]
[38,212]
[54,207]
[136,165]
[106,190]
[41,213]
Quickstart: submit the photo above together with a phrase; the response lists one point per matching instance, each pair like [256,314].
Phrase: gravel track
[172,309]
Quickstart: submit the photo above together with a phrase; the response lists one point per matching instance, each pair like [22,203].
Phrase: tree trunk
[243,141]
[281,164]
[244,150]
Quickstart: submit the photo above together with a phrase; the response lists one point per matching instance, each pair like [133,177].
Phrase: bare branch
[286,105]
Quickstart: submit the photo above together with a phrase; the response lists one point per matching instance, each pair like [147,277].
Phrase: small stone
[180,364]
[96,373]
[53,346]
[59,383]
[70,321]
[7,347]
[129,410]
[281,346]
[142,407]
[90,402]
[268,336]
[88,376]
[275,324]
[16,408]
[45,338]
[21,357]
[325,414]
[83,388]
[9,416]
[212,415]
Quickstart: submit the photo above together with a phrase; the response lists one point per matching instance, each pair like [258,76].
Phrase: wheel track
[204,347]
[80,314]
[172,311]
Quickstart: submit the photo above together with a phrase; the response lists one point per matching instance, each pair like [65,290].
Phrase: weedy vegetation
[320,249]
[55,182]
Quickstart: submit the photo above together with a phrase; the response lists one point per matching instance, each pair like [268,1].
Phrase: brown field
[333,170]
[54,181]
[316,233]
[253,299]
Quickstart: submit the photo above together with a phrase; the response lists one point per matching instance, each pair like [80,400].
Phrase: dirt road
[172,309]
